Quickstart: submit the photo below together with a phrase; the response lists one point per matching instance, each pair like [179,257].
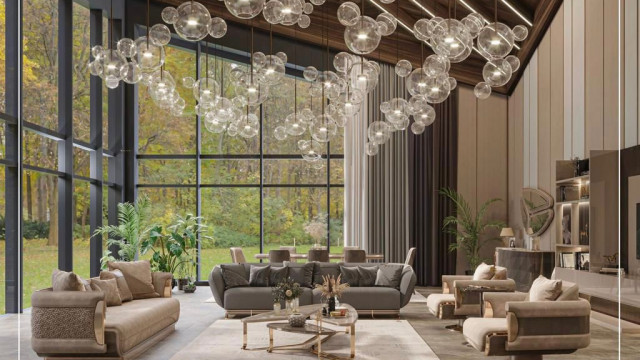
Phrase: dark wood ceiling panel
[403,44]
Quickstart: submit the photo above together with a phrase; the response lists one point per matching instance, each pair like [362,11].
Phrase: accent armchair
[516,327]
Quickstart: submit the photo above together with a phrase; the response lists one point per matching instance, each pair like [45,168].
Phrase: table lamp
[507,235]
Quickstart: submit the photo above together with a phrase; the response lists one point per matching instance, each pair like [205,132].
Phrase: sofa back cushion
[234,275]
[301,273]
[389,275]
[350,275]
[66,281]
[138,277]
[110,289]
[367,275]
[278,274]
[325,269]
[259,275]
[544,289]
[123,288]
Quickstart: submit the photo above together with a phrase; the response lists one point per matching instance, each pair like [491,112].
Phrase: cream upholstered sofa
[69,324]
[520,328]
[453,303]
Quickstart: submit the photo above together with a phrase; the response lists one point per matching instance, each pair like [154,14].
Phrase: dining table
[295,256]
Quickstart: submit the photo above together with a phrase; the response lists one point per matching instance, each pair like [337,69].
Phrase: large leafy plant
[126,237]
[175,250]
[468,227]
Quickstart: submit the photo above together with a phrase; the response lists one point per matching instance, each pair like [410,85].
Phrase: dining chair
[411,257]
[350,248]
[292,250]
[237,256]
[278,256]
[355,256]
[319,255]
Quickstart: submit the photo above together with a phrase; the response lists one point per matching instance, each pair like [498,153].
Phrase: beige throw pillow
[110,290]
[544,289]
[500,274]
[66,281]
[123,288]
[138,277]
[484,272]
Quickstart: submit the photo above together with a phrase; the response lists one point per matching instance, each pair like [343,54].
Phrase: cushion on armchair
[544,289]
[484,272]
[500,273]
[66,281]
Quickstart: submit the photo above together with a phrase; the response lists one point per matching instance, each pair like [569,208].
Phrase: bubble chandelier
[362,34]
[192,22]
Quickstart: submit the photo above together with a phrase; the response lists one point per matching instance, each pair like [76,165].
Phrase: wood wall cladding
[402,44]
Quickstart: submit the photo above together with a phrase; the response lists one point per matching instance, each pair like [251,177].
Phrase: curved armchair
[524,329]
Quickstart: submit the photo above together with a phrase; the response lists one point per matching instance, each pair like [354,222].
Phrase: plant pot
[174,283]
[297,320]
[189,290]
[182,283]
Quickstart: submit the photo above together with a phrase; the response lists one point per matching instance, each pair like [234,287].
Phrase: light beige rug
[375,339]
[415,298]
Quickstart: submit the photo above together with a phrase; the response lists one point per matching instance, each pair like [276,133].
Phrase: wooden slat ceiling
[402,44]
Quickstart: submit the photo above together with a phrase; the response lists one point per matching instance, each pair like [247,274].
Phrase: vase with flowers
[331,288]
[290,291]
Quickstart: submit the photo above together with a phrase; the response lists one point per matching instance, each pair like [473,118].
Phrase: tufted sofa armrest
[448,280]
[468,303]
[548,325]
[495,302]
[216,283]
[68,322]
[162,283]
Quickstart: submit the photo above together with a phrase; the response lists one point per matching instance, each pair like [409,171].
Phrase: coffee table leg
[353,341]
[244,336]
[270,340]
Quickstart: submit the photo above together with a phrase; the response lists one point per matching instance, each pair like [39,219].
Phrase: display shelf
[573,180]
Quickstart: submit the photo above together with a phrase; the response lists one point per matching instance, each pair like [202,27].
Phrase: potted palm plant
[469,227]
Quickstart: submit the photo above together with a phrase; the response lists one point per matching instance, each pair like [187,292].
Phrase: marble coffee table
[315,328]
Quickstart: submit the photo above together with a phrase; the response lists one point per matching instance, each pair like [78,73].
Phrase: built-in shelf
[569,246]
[573,180]
[579,201]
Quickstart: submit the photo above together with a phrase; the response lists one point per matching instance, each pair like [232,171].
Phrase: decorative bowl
[297,320]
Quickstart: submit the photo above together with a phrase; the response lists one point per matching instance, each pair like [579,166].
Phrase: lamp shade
[506,232]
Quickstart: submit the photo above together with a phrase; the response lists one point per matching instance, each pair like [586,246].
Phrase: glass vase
[293,305]
[276,308]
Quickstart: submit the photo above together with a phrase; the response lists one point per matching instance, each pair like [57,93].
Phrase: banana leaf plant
[468,227]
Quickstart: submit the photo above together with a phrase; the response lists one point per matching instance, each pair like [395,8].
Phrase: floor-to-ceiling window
[255,193]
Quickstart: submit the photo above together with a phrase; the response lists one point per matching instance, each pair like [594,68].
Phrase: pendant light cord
[111,31]
[148,6]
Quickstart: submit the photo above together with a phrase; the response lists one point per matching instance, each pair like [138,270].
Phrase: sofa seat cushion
[134,322]
[257,298]
[367,298]
[434,301]
[475,330]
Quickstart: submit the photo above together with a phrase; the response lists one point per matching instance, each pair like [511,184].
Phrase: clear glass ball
[193,21]
[385,107]
[217,28]
[307,115]
[482,90]
[520,32]
[232,130]
[452,83]
[239,101]
[294,124]
[127,47]
[323,128]
[161,85]
[514,62]
[437,89]
[160,34]
[291,11]
[402,124]
[362,37]
[435,65]
[304,21]
[389,21]
[170,15]
[387,1]
[421,29]
[280,133]
[214,124]
[417,104]
[417,129]
[206,90]
[426,116]
[311,150]
[450,38]
[259,59]
[371,149]
[244,9]
[112,83]
[317,2]
[282,56]
[95,68]
[316,90]
[310,73]
[348,13]
[252,90]
[342,61]
[112,64]
[364,76]
[496,42]
[496,72]
[416,82]
[378,132]
[96,51]
[273,12]
[248,126]
[273,70]
[188,82]
[149,56]
[131,73]
[403,68]
[307,8]
[474,23]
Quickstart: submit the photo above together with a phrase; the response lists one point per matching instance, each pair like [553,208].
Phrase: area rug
[375,339]
[415,298]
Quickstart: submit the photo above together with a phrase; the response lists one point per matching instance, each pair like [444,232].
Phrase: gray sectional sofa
[373,300]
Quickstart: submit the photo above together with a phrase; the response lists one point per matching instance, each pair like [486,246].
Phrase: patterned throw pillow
[350,275]
[66,281]
[138,277]
[259,275]
[110,290]
[389,275]
[301,273]
[234,275]
[123,288]
[278,274]
[368,275]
